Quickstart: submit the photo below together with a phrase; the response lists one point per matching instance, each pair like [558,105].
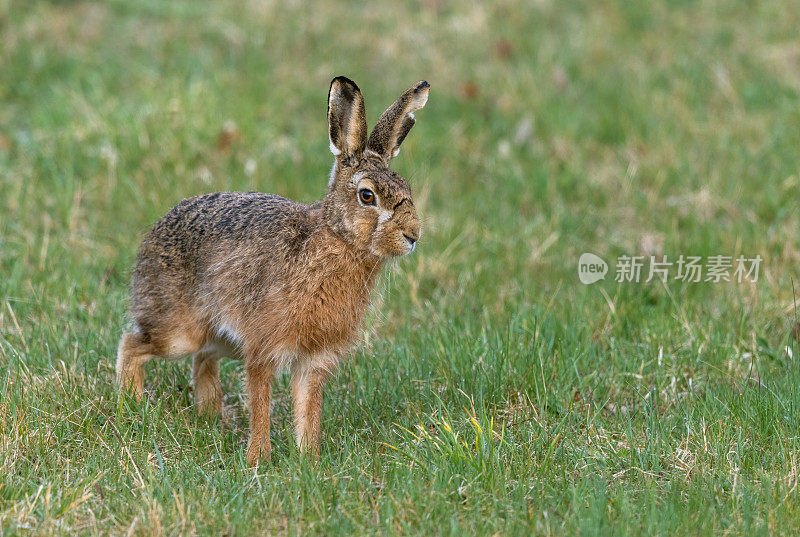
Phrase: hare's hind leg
[138,348]
[207,388]
[134,351]
[205,372]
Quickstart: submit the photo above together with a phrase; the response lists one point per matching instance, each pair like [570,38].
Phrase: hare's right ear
[394,124]
[347,120]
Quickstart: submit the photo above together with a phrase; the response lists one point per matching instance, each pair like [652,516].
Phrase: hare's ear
[393,126]
[347,120]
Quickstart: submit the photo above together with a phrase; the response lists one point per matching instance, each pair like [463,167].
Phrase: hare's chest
[323,316]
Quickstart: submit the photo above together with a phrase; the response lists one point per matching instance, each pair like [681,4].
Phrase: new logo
[591,268]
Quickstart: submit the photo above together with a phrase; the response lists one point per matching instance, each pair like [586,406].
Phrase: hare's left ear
[394,124]
[347,120]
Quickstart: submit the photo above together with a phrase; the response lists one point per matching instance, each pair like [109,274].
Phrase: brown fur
[271,280]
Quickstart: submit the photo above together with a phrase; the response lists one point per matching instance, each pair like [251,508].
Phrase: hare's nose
[411,240]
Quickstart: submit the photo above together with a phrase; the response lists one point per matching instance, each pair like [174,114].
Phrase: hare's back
[199,222]
[200,229]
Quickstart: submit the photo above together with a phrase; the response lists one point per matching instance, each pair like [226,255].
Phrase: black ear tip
[343,80]
[422,85]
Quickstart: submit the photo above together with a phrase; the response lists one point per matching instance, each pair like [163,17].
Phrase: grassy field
[493,392]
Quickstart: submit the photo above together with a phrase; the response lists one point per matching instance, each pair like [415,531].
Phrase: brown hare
[272,281]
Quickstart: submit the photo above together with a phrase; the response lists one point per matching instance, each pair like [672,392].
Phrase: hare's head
[368,204]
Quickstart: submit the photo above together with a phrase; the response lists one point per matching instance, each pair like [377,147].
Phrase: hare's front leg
[307,382]
[260,374]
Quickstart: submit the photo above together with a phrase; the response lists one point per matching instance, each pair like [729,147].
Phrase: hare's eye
[366,196]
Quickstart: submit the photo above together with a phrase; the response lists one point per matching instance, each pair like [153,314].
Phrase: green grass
[493,392]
